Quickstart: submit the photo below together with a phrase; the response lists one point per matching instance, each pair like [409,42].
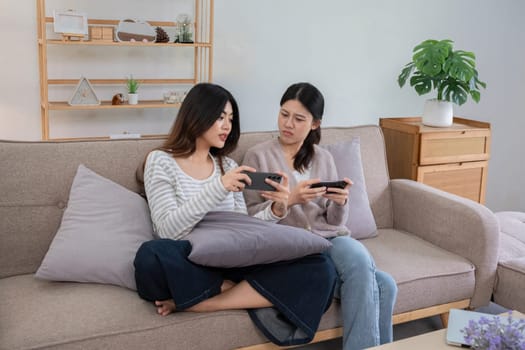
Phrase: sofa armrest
[454,223]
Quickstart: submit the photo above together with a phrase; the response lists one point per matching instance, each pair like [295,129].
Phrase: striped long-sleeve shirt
[178,202]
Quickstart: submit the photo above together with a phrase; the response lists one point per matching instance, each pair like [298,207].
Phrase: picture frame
[70,22]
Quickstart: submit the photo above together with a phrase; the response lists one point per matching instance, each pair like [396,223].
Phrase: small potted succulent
[132,86]
[436,66]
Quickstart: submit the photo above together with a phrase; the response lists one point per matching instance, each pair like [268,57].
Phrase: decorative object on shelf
[70,23]
[184,29]
[162,36]
[102,33]
[491,333]
[174,96]
[435,65]
[117,99]
[135,30]
[84,94]
[132,85]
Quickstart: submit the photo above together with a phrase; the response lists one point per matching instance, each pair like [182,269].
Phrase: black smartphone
[336,184]
[258,181]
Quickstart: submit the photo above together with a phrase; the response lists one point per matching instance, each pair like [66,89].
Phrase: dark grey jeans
[301,290]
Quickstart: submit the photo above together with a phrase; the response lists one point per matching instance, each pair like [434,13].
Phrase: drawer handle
[463,132]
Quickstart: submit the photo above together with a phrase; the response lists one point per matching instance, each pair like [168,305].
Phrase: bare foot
[227,284]
[165,307]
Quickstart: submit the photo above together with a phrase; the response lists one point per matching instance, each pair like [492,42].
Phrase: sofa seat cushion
[510,248]
[36,314]
[512,237]
[426,275]
[512,223]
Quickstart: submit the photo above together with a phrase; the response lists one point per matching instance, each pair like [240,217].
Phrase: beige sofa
[441,249]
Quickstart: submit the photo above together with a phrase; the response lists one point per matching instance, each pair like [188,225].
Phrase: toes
[164,307]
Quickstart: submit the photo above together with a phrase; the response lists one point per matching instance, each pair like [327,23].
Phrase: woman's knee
[387,285]
[147,256]
[348,253]
[323,266]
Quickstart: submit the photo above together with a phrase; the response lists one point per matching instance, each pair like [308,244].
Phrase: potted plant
[436,66]
[132,85]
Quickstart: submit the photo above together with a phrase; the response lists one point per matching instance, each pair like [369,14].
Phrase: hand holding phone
[258,181]
[334,184]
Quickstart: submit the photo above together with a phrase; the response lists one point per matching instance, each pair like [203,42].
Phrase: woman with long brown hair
[191,175]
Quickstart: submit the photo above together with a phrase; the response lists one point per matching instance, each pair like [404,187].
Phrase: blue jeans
[367,295]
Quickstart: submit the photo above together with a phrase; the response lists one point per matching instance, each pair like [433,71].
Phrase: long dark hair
[312,99]
[200,109]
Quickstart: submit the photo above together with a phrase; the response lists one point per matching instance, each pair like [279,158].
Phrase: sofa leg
[444,319]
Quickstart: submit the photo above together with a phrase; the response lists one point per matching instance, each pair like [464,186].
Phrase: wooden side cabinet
[453,159]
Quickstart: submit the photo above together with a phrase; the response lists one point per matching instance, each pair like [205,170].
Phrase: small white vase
[438,113]
[133,99]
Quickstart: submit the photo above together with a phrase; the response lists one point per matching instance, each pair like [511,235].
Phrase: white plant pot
[438,113]
[133,99]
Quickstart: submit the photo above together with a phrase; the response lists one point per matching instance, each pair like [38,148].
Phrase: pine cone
[162,36]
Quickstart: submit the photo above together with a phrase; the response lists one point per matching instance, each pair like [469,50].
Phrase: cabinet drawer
[463,179]
[454,146]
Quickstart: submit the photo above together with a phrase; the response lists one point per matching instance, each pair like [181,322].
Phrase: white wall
[352,50]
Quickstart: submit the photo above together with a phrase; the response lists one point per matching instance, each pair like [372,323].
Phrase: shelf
[115,22]
[121,81]
[102,138]
[107,105]
[122,43]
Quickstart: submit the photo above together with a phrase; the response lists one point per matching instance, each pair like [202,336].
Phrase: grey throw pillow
[229,239]
[102,227]
[347,156]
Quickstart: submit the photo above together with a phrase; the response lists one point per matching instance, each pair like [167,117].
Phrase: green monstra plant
[435,65]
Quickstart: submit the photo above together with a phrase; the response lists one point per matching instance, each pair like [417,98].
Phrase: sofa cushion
[347,156]
[95,316]
[512,223]
[510,248]
[101,230]
[426,275]
[229,239]
[36,180]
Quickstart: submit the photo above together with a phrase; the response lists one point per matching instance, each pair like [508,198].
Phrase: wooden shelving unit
[202,63]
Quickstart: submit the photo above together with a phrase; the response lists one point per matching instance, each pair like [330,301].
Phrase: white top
[302,176]
[178,201]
